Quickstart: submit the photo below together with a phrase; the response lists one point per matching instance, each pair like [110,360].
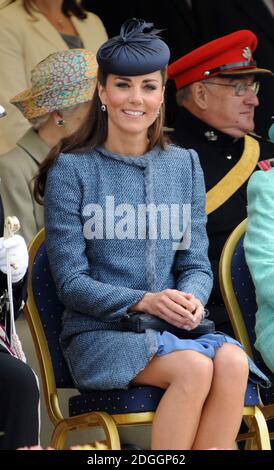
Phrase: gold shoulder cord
[235,178]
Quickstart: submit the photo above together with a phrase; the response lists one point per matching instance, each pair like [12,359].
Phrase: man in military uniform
[217,93]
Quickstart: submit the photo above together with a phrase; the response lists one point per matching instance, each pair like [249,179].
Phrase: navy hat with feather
[138,50]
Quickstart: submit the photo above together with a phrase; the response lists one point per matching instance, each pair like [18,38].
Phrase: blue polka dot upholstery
[136,399]
[50,310]
[245,293]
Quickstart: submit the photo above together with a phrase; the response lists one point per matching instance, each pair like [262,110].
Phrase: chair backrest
[44,313]
[239,294]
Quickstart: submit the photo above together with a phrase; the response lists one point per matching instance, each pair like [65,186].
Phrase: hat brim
[37,105]
[243,71]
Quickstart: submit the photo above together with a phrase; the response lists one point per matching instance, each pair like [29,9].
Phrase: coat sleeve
[259,238]
[13,80]
[259,252]
[66,247]
[16,191]
[192,266]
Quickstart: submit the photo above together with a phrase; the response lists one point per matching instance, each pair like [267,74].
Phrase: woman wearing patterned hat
[30,30]
[118,175]
[55,105]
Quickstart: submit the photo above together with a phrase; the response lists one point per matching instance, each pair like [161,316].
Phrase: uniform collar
[189,125]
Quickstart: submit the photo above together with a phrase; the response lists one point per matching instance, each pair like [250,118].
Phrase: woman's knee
[188,370]
[232,362]
[191,371]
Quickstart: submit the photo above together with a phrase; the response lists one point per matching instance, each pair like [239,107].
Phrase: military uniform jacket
[218,153]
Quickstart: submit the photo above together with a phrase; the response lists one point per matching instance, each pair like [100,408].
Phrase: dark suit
[215,18]
[217,157]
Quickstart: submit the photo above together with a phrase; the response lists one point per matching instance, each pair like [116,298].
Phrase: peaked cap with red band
[225,56]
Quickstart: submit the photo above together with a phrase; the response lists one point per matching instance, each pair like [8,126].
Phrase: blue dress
[207,345]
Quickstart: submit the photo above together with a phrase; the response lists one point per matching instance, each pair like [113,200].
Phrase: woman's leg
[222,413]
[19,418]
[186,376]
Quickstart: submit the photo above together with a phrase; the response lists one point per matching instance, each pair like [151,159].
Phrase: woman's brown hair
[93,132]
[69,7]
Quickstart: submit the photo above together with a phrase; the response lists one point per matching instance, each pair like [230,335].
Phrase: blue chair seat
[134,400]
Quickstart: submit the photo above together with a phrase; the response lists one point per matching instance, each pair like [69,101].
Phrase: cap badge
[247,53]
[210,135]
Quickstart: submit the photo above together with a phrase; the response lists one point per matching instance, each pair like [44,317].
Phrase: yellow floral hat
[61,80]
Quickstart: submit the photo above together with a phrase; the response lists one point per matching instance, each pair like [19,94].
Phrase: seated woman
[56,104]
[19,395]
[125,232]
[30,30]
[259,252]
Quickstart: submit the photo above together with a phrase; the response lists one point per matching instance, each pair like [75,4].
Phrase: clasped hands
[178,308]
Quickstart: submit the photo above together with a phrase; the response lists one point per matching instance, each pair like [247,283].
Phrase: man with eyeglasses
[217,86]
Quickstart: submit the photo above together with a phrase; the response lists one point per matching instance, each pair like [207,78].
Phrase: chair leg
[258,427]
[84,421]
[268,411]
[59,435]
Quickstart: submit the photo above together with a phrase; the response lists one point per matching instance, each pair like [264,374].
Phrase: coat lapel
[45,28]
[83,30]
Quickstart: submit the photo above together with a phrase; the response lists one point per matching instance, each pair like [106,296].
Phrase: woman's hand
[178,308]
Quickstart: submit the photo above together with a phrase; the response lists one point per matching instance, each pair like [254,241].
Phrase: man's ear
[200,96]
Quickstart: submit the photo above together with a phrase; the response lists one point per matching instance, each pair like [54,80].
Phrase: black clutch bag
[139,322]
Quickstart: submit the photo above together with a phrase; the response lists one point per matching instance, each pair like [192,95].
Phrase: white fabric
[18,256]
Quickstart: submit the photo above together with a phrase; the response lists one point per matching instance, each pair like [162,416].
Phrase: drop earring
[60,122]
[103,108]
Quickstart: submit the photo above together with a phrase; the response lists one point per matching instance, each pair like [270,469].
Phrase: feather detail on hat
[137,50]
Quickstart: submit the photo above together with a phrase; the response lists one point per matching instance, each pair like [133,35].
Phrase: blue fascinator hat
[138,50]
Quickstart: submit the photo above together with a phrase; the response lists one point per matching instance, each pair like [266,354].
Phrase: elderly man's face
[231,104]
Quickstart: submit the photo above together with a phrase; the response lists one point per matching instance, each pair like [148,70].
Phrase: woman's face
[132,103]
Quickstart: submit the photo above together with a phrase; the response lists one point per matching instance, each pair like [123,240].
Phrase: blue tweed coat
[105,254]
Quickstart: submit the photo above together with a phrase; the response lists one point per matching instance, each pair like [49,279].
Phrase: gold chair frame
[257,434]
[235,314]
[63,425]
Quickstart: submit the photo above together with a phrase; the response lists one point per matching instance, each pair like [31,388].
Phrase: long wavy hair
[92,133]
[69,7]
